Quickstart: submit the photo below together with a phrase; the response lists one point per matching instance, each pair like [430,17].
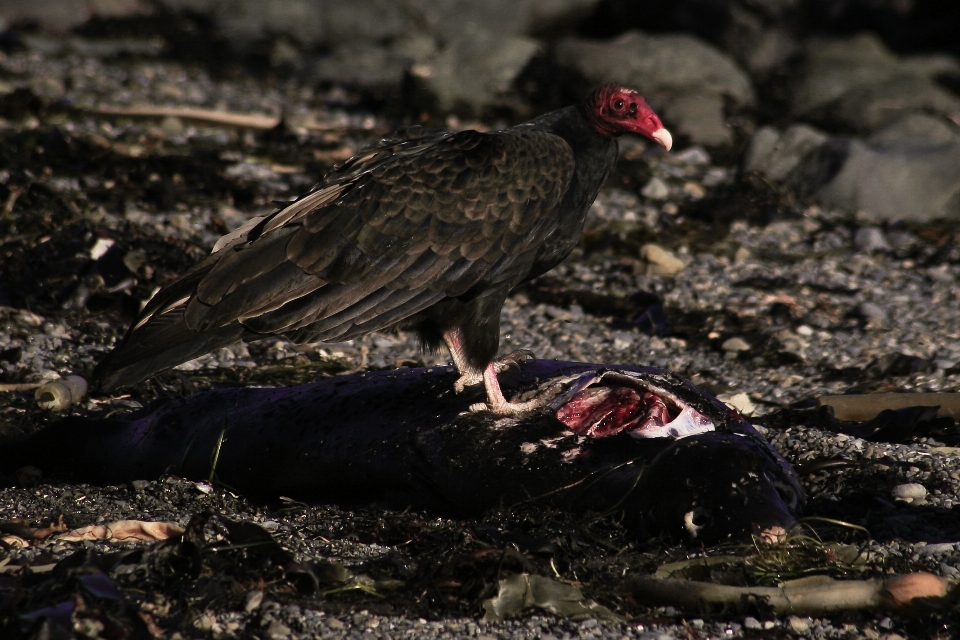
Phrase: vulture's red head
[614,110]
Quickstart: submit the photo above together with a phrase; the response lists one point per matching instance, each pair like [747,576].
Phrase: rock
[276,630]
[857,83]
[798,625]
[476,71]
[341,22]
[683,77]
[365,66]
[243,22]
[909,170]
[778,155]
[660,261]
[655,189]
[447,19]
[252,600]
[62,15]
[905,172]
[696,156]
[909,492]
[915,129]
[735,345]
[872,314]
[870,240]
[373,21]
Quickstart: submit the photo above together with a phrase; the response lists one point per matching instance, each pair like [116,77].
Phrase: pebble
[276,630]
[655,189]
[870,240]
[735,345]
[695,155]
[751,623]
[253,600]
[798,625]
[909,492]
[872,313]
[660,261]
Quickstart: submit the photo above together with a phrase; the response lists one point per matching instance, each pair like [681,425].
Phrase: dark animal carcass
[608,439]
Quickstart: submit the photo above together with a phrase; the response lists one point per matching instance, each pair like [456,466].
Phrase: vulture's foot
[513,359]
[499,405]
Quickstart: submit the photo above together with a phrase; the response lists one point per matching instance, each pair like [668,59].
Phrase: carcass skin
[402,438]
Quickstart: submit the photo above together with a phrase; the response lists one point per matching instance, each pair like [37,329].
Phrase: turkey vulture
[424,229]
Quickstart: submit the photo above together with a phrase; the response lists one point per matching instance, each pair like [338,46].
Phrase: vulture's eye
[618,105]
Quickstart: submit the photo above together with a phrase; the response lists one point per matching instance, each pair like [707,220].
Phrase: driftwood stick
[898,592]
[208,116]
[861,407]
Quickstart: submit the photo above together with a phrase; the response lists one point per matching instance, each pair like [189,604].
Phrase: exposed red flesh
[601,411]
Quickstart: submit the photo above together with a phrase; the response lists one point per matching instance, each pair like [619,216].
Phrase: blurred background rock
[874,83]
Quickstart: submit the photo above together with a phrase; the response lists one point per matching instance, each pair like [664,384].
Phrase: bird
[424,229]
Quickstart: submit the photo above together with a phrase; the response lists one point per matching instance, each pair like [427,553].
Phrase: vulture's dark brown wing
[387,234]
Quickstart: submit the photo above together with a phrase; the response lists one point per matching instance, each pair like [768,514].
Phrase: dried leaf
[124,531]
[523,591]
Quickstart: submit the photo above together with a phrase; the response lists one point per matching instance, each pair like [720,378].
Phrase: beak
[663,138]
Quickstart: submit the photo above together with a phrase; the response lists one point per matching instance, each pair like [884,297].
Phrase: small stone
[655,189]
[741,255]
[694,155]
[660,261]
[252,601]
[172,126]
[751,623]
[804,330]
[940,274]
[277,631]
[872,313]
[798,625]
[735,345]
[871,239]
[909,492]
[939,547]
[140,485]
[892,636]
[333,623]
[694,190]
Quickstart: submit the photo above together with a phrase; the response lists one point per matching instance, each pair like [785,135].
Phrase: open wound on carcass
[602,411]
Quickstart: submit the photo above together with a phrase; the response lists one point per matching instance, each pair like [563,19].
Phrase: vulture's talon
[469,379]
[512,359]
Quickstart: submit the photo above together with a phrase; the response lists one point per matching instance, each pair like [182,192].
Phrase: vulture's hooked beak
[663,138]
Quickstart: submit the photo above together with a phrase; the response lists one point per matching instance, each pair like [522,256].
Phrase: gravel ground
[747,290]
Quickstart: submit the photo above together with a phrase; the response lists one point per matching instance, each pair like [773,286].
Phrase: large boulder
[476,71]
[62,15]
[909,170]
[858,84]
[337,22]
[686,79]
